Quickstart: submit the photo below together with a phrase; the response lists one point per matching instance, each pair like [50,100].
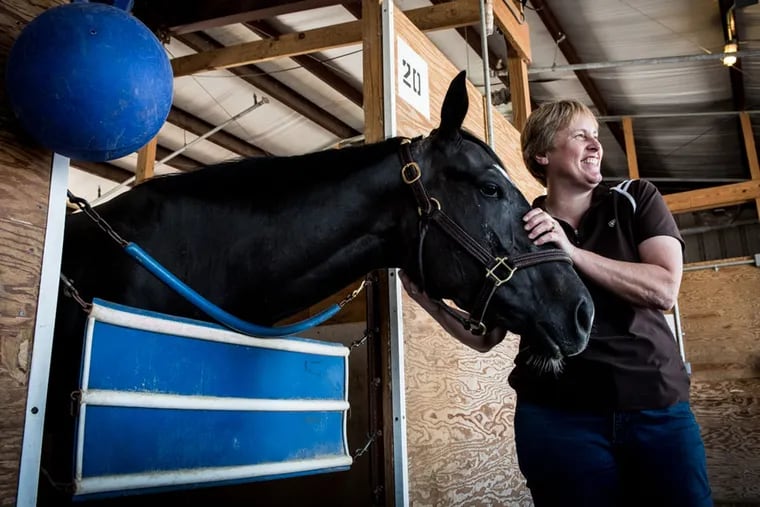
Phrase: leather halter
[499,270]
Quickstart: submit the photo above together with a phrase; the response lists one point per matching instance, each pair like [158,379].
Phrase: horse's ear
[455,106]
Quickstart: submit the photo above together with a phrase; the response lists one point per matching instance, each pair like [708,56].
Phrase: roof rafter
[436,17]
[571,55]
[199,127]
[184,16]
[312,64]
[275,89]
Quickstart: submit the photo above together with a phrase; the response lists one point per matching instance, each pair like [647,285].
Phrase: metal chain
[366,447]
[90,212]
[355,293]
[71,291]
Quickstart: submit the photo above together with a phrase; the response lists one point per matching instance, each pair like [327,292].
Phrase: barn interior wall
[24,187]
[721,322]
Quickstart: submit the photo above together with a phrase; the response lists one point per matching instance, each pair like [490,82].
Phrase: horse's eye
[490,190]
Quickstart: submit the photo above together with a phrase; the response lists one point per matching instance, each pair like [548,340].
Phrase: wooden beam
[751,150]
[445,15]
[630,148]
[436,17]
[199,127]
[184,16]
[714,197]
[180,162]
[312,64]
[275,89]
[518,87]
[372,54]
[287,45]
[146,161]
[514,30]
[104,170]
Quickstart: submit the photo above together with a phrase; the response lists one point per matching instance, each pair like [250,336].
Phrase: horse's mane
[257,174]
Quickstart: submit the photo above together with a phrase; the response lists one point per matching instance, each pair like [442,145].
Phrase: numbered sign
[413,85]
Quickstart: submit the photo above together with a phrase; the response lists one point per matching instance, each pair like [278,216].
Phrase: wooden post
[372,32]
[749,146]
[630,148]
[518,87]
[380,313]
[146,161]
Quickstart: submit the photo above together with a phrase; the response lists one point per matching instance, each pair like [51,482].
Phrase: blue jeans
[637,458]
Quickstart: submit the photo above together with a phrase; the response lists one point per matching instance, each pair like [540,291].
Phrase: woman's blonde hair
[538,135]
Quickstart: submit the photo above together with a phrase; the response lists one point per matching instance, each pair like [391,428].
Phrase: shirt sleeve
[652,217]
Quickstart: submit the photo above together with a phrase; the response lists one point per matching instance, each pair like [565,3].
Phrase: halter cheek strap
[498,270]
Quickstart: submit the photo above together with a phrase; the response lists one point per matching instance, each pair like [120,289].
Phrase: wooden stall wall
[721,321]
[24,186]
[460,409]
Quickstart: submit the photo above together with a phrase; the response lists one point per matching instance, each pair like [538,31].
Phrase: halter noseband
[499,270]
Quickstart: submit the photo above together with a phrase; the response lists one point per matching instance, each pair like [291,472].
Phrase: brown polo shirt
[632,361]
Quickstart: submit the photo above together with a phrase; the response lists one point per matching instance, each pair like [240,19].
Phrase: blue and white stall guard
[169,403]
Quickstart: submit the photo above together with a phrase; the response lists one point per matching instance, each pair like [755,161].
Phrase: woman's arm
[449,323]
[654,282]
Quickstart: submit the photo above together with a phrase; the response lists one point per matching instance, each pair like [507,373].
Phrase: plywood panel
[721,322]
[460,408]
[441,71]
[24,186]
[460,418]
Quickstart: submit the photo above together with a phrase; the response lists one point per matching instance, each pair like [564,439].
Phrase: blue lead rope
[217,313]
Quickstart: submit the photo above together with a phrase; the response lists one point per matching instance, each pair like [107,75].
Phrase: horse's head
[543,299]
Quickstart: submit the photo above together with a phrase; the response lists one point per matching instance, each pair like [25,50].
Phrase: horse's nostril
[584,316]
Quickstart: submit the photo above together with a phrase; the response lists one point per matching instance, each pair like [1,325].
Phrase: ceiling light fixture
[730,50]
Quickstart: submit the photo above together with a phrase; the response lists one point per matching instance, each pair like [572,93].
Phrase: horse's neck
[303,241]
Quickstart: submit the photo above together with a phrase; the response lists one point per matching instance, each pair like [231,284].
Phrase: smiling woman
[626,246]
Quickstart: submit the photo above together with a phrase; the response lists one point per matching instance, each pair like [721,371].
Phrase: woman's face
[576,155]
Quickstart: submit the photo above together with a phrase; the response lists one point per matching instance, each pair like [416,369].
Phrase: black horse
[264,238]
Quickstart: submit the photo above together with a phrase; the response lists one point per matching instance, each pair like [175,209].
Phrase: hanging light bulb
[730,49]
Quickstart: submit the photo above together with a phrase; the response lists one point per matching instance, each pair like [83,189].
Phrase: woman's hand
[543,228]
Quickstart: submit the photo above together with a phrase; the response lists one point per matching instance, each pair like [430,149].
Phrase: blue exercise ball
[89,81]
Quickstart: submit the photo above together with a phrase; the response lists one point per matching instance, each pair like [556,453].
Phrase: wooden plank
[519,89]
[721,327]
[727,412]
[720,321]
[514,30]
[292,44]
[24,188]
[751,150]
[146,161]
[714,197]
[630,148]
[372,54]
[436,17]
[445,15]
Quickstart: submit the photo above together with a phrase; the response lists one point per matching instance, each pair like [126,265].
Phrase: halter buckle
[500,262]
[412,177]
